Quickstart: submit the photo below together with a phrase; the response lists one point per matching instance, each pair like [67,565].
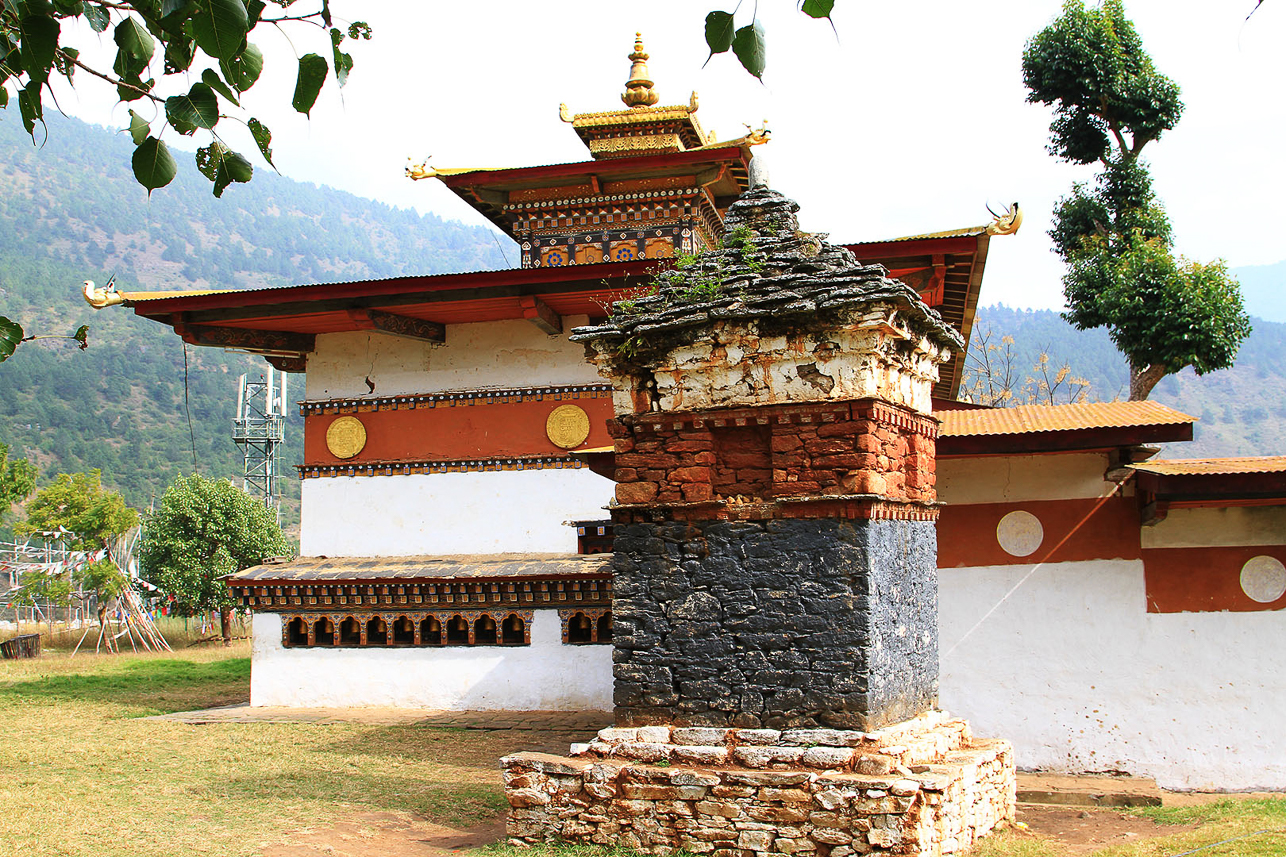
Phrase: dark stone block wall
[776,623]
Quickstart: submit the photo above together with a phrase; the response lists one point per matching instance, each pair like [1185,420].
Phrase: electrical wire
[1035,568]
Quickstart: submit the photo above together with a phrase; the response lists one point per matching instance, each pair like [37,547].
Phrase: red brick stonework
[862,458]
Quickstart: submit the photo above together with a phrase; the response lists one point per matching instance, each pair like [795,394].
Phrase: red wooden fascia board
[610,166]
[1199,486]
[480,281]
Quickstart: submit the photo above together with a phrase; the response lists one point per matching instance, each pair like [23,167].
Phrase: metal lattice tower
[259,428]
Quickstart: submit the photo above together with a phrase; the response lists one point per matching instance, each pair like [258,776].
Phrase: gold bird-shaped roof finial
[638,89]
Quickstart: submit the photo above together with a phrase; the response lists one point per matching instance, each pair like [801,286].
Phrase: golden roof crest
[638,89]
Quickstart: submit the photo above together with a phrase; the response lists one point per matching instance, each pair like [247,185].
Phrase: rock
[757,736]
[527,797]
[699,735]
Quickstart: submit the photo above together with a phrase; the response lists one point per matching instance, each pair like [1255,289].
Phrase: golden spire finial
[638,89]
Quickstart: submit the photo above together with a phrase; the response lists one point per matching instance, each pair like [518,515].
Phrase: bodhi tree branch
[160,43]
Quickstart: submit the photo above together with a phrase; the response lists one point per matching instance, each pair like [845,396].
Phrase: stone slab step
[1087,790]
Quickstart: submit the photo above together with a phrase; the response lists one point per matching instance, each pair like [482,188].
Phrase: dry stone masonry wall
[925,787]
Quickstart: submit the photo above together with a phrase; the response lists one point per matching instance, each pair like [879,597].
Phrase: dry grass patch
[85,775]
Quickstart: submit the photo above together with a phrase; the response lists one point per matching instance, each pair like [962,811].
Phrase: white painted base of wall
[545,676]
[1074,671]
[506,511]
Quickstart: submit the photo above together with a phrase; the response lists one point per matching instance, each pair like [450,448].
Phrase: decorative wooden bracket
[540,314]
[288,364]
[398,325]
[279,342]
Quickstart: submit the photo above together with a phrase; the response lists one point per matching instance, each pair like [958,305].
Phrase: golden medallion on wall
[567,426]
[345,437]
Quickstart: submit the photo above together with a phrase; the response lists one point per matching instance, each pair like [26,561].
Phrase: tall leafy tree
[90,516]
[1163,313]
[203,530]
[17,480]
[193,59]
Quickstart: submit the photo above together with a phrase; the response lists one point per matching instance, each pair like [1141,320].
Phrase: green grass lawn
[83,773]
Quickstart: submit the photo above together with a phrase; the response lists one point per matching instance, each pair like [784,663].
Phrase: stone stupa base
[920,787]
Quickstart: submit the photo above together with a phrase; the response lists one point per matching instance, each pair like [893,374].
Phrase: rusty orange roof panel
[1214,466]
[1027,419]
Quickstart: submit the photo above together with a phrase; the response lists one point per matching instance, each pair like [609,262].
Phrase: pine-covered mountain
[70,211]
[1242,410]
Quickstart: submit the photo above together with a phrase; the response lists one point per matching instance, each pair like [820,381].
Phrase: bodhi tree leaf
[312,74]
[222,166]
[263,137]
[220,27]
[139,130]
[39,44]
[30,107]
[750,47]
[211,79]
[818,8]
[10,336]
[135,48]
[243,70]
[343,61]
[153,165]
[97,17]
[179,53]
[82,336]
[719,32]
[198,109]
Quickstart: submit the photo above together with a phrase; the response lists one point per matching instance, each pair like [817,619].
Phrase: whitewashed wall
[494,354]
[545,676]
[507,511]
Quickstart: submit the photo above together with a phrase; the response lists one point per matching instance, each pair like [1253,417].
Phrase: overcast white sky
[912,121]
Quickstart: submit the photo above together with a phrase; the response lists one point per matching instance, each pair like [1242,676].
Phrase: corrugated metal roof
[139,297]
[314,568]
[1214,466]
[965,232]
[1025,419]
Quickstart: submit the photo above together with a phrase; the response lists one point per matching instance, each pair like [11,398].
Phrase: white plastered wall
[494,354]
[545,676]
[1021,478]
[1080,677]
[505,511]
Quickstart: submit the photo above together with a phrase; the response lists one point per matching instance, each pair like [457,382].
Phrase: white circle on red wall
[1020,533]
[1263,578]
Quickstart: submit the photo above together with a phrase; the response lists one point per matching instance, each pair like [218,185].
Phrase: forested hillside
[1242,410]
[71,211]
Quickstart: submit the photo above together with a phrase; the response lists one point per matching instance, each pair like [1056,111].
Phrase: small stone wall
[923,787]
[778,623]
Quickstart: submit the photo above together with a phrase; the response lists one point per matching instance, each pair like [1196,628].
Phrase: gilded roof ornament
[1007,222]
[638,89]
[102,297]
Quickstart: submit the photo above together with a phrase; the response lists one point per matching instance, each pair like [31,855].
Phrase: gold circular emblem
[345,437]
[567,426]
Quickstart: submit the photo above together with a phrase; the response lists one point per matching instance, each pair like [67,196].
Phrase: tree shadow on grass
[440,801]
[152,686]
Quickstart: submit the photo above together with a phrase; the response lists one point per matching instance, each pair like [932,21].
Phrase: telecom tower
[260,427]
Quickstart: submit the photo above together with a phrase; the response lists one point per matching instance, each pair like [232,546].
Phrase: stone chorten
[775,548]
[775,586]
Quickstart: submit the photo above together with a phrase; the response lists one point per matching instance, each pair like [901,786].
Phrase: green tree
[205,529]
[17,480]
[200,50]
[1162,312]
[89,516]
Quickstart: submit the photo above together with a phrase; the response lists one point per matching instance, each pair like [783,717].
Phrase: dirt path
[388,834]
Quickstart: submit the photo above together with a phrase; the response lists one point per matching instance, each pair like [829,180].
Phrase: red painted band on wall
[459,432]
[1098,528]
[1204,580]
